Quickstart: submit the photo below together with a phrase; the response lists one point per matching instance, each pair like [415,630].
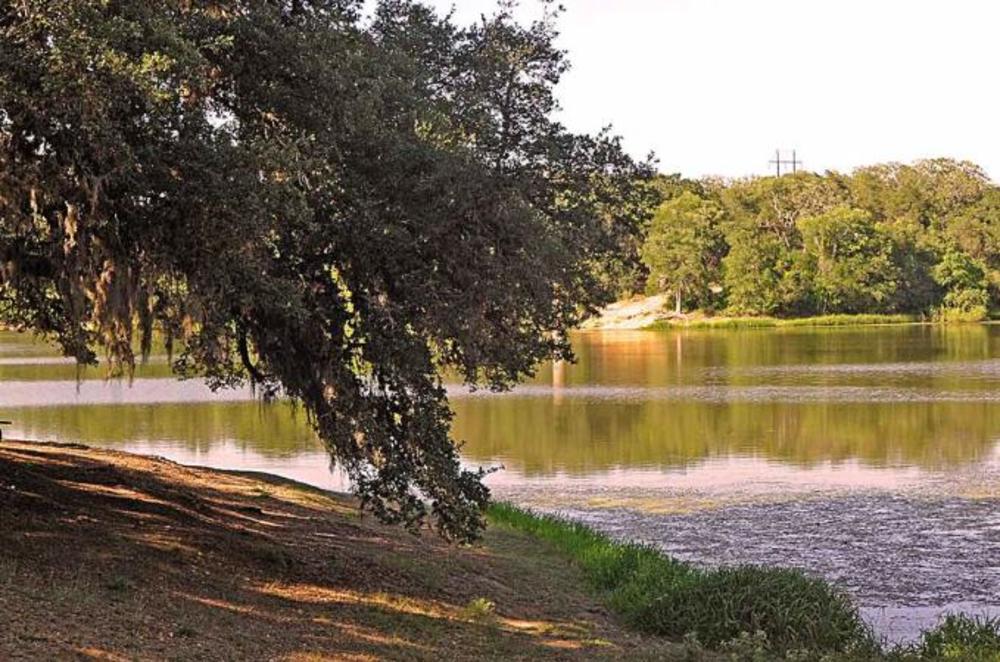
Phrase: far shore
[655,313]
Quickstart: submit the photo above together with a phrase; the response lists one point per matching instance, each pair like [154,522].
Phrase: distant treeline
[892,238]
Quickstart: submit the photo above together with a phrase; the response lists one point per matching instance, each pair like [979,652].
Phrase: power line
[777,162]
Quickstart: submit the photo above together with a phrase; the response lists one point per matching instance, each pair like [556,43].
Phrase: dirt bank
[635,313]
[106,555]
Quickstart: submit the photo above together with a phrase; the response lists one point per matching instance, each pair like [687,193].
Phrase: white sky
[714,86]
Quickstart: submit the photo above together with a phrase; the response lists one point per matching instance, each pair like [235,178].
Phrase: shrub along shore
[749,612]
[779,322]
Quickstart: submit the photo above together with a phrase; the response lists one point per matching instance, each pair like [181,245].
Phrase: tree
[330,209]
[763,267]
[682,248]
[928,191]
[851,259]
[890,223]
[964,281]
[914,253]
[975,229]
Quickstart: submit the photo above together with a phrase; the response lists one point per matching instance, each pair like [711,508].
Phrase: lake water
[870,456]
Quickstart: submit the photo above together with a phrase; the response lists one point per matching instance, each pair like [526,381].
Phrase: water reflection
[278,430]
[869,456]
[890,397]
[535,436]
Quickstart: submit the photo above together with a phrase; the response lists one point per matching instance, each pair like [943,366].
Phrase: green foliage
[884,239]
[777,322]
[661,595]
[957,637]
[683,247]
[957,271]
[850,261]
[480,610]
[928,191]
[753,271]
[329,207]
[671,186]
[975,229]
[964,282]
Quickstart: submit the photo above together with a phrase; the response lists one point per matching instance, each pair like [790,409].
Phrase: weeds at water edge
[957,637]
[776,322]
[660,595]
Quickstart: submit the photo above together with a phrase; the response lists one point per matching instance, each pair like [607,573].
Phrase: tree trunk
[677,299]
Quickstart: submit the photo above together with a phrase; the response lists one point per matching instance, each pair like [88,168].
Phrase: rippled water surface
[869,456]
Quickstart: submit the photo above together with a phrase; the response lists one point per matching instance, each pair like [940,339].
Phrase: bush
[776,322]
[975,314]
[661,595]
[957,637]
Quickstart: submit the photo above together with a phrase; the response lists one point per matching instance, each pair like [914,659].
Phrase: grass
[727,607]
[746,613]
[958,315]
[776,322]
[957,637]
[480,610]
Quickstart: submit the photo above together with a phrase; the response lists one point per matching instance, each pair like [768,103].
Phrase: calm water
[868,456]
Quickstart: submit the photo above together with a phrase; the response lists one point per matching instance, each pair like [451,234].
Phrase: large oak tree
[335,208]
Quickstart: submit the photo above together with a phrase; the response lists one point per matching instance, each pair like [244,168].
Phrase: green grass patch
[660,595]
[745,612]
[959,315]
[957,637]
[777,322]
[480,610]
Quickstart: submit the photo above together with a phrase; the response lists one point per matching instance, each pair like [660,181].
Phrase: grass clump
[118,584]
[480,610]
[956,637]
[661,595]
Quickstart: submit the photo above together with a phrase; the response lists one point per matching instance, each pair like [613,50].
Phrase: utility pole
[777,162]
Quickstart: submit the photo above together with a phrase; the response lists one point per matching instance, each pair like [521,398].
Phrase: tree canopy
[682,247]
[921,239]
[331,207]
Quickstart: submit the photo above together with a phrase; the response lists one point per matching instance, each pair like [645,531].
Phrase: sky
[713,87]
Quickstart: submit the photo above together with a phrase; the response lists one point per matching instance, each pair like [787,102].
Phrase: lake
[869,455]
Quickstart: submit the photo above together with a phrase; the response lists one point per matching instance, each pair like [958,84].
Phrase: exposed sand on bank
[635,313]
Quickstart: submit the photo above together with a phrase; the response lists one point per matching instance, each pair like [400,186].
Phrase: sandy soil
[635,313]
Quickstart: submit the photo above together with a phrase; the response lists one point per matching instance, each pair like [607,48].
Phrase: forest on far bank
[919,239]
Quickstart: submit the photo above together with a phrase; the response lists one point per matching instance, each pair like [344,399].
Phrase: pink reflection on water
[116,391]
[745,474]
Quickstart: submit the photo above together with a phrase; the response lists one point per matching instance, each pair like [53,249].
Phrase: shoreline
[653,313]
[257,543]
[107,555]
[817,321]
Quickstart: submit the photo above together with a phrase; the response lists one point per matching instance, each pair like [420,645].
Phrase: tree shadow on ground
[109,555]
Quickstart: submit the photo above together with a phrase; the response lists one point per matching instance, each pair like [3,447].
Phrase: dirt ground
[636,313]
[111,556]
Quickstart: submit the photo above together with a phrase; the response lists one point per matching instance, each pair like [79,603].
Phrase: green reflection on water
[593,416]
[275,429]
[538,436]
